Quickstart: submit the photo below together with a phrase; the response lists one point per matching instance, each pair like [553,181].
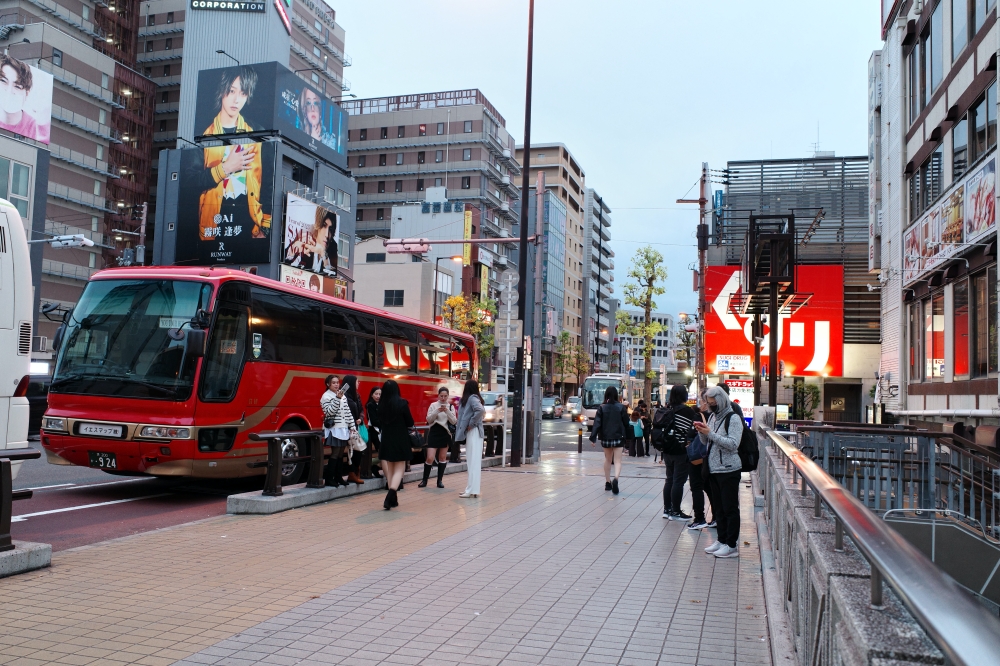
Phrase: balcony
[160,137]
[339,80]
[320,39]
[83,85]
[159,56]
[167,81]
[78,197]
[86,124]
[72,18]
[81,160]
[65,270]
[165,29]
[169,107]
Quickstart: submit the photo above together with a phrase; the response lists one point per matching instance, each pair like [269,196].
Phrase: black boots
[441,466]
[390,500]
[427,475]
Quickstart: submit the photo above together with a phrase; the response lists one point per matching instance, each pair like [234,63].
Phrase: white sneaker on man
[714,547]
[726,551]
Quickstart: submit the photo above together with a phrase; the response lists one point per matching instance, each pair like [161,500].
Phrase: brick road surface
[546,567]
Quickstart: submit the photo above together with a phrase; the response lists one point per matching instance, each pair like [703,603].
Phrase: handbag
[363,432]
[637,428]
[416,440]
[356,443]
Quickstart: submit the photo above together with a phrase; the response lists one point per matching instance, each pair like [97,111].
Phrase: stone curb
[26,556]
[298,495]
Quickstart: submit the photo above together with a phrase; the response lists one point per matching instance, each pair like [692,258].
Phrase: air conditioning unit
[40,343]
[505,180]
[506,153]
[502,261]
[505,206]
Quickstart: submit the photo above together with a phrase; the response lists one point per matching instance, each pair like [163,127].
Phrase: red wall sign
[810,342]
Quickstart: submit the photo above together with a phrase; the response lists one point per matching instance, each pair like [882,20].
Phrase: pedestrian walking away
[396,420]
[634,434]
[441,418]
[470,430]
[674,426]
[611,426]
[374,427]
[723,433]
[338,422]
[647,425]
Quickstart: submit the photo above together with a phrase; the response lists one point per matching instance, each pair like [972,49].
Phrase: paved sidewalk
[546,568]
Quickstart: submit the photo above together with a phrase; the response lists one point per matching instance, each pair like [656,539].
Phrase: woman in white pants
[470,430]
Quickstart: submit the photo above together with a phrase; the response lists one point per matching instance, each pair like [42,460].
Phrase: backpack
[664,437]
[749,450]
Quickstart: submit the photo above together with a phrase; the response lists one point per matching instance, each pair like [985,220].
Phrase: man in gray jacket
[722,436]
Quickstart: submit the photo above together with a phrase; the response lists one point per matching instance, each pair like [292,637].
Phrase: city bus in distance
[16,298]
[167,370]
[594,387]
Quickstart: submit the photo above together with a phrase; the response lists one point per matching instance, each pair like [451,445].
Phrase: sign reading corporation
[228,6]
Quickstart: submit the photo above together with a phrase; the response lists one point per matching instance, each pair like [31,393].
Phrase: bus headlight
[55,425]
[165,432]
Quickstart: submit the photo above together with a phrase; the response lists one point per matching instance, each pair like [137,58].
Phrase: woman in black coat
[354,402]
[374,428]
[395,448]
[611,425]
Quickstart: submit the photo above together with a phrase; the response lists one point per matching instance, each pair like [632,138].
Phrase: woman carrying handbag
[441,418]
[470,430]
[338,423]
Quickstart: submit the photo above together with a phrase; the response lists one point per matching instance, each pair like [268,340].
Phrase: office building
[932,151]
[598,282]
[664,343]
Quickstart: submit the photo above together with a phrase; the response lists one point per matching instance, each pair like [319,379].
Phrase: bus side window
[226,351]
[461,362]
[397,356]
[290,327]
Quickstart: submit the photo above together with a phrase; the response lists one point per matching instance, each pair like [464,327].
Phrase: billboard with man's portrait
[269,96]
[311,236]
[25,99]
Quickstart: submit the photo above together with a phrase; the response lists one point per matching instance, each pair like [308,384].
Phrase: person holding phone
[337,425]
[722,435]
[441,418]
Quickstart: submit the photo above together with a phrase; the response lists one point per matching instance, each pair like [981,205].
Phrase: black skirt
[438,437]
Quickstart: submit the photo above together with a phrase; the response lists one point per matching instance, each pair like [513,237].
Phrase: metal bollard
[579,440]
[838,536]
[316,462]
[876,587]
[272,481]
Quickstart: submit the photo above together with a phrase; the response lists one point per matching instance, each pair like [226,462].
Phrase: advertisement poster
[224,204]
[741,392]
[810,341]
[268,96]
[297,277]
[311,236]
[25,99]
[981,217]
[739,364]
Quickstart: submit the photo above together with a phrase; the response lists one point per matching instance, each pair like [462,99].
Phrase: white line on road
[56,485]
[16,519]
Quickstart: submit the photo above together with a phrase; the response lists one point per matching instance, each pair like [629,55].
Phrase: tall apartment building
[401,146]
[315,51]
[598,277]
[664,343]
[932,219]
[565,178]
[98,150]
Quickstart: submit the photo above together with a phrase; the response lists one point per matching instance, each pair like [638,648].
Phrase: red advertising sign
[810,342]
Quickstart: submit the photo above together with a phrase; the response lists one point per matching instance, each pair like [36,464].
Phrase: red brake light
[22,387]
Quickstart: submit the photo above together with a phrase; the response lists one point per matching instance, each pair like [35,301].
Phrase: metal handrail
[960,627]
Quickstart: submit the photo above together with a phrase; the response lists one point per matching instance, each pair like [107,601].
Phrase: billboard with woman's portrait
[311,236]
[25,99]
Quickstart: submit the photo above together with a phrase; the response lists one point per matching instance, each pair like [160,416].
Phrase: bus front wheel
[292,448]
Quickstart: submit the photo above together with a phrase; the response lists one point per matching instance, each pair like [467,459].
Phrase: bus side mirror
[194,342]
[58,337]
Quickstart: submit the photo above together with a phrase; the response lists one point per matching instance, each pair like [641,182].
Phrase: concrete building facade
[599,305]
[399,283]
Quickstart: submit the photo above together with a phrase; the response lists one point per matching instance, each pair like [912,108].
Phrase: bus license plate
[103,460]
[100,430]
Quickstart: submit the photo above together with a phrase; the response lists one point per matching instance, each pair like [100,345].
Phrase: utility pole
[517,434]
[702,202]
[539,314]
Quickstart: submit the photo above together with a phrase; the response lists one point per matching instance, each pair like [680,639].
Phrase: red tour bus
[166,370]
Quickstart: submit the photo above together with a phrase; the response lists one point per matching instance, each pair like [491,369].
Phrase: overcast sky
[641,92]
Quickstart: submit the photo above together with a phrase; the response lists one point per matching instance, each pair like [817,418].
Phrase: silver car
[573,407]
[496,404]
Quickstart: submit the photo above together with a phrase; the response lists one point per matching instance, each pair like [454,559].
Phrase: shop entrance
[842,402]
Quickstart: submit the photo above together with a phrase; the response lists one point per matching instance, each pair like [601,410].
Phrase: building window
[439,156]
[960,148]
[381,159]
[975,134]
[170,17]
[385,133]
[466,154]
[934,336]
[361,160]
[168,44]
[344,199]
[440,128]
[148,71]
[375,258]
[401,131]
[399,158]
[420,157]
[57,57]
[984,294]
[15,180]
[149,47]
[317,52]
[980,9]
[420,184]
[393,298]
[437,182]
[399,186]
[318,26]
[466,182]
[163,125]
[359,216]
[381,187]
[422,130]
[468,127]
[960,327]
[959,26]
[104,81]
[166,70]
[380,213]
[151,19]
[164,97]
[364,134]
[925,184]
[361,187]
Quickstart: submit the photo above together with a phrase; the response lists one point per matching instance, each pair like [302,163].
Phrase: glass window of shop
[934,337]
[975,133]
[925,184]
[984,333]
[915,337]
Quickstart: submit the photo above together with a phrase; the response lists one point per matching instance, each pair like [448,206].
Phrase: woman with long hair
[470,430]
[678,431]
[374,427]
[354,403]
[611,425]
[394,451]
[337,425]
[441,418]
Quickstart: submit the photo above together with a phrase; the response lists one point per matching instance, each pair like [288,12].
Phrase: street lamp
[435,310]
[220,51]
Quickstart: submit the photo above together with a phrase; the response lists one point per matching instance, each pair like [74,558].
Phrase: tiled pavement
[546,568]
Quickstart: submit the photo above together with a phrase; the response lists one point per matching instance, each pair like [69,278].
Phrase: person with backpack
[611,424]
[723,434]
[633,438]
[674,429]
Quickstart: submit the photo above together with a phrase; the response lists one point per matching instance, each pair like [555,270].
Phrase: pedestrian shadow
[379,516]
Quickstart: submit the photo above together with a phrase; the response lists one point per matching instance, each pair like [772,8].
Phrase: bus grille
[24,340]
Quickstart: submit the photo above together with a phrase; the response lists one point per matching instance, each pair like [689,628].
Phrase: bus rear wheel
[292,448]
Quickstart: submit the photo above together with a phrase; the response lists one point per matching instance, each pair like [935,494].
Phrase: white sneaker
[726,551]
[714,547]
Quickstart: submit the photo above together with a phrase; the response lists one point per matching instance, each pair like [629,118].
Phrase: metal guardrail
[7,492]
[960,627]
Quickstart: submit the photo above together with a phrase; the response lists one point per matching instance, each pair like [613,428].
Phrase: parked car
[38,402]
[574,407]
[552,408]
[496,404]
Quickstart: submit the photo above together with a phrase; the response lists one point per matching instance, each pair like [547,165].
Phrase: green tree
[475,318]
[646,276]
[581,364]
[562,362]
[805,400]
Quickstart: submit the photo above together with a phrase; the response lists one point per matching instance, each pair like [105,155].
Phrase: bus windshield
[593,390]
[120,340]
